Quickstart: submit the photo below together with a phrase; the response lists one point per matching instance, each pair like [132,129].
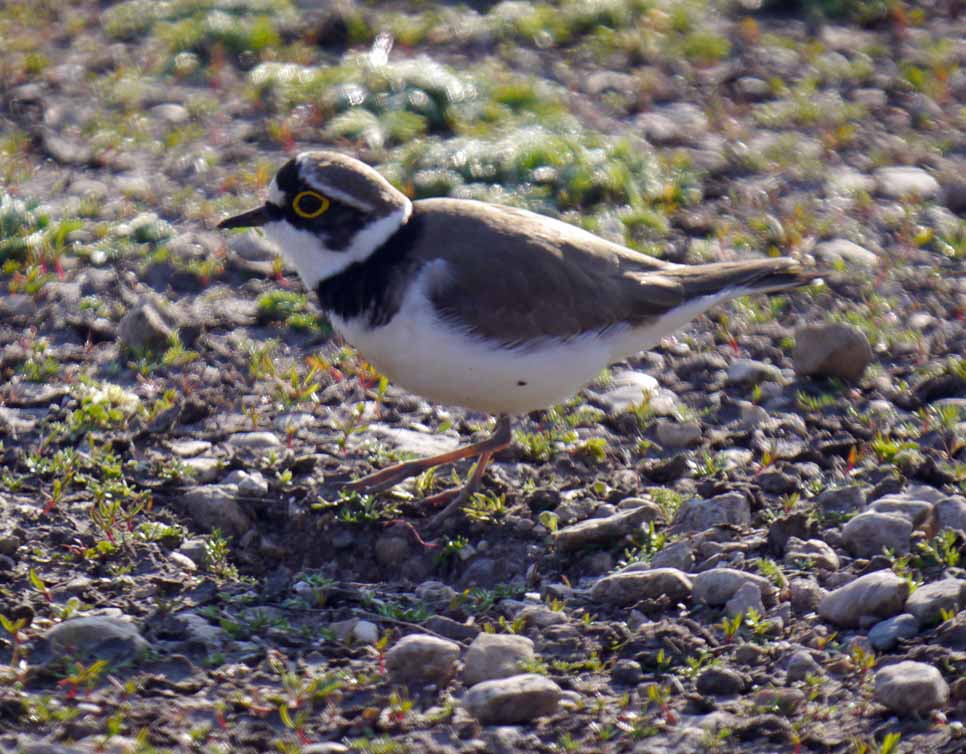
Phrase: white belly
[430,357]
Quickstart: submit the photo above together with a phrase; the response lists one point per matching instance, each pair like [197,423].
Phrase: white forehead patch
[275,195]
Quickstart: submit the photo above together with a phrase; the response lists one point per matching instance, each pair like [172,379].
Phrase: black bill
[252,218]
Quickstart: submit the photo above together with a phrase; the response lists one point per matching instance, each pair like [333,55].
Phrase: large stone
[254,441]
[870,533]
[801,665]
[422,659]
[627,388]
[743,601]
[680,123]
[717,586]
[493,656]
[785,701]
[886,634]
[633,586]
[607,530]
[847,252]
[842,500]
[910,688]
[410,441]
[716,681]
[806,595]
[675,555]
[929,601]
[674,435]
[508,701]
[951,513]
[917,511]
[100,637]
[214,506]
[698,515]
[144,329]
[814,551]
[902,181]
[749,372]
[880,594]
[831,350]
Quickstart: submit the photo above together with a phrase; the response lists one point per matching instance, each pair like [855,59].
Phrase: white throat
[314,262]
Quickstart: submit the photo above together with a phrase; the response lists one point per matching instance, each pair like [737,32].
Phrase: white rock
[880,594]
[885,635]
[674,435]
[171,112]
[493,656]
[254,440]
[188,448]
[421,658]
[846,251]
[748,597]
[871,533]
[901,181]
[698,515]
[248,482]
[929,601]
[909,688]
[751,372]
[608,529]
[411,441]
[717,586]
[833,349]
[951,513]
[627,388]
[633,586]
[365,632]
[95,636]
[813,551]
[203,469]
[518,699]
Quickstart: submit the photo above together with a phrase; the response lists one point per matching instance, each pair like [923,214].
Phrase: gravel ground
[752,538]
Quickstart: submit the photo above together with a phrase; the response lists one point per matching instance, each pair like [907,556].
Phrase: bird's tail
[731,279]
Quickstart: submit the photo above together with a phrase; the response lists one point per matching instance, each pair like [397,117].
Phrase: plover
[488,307]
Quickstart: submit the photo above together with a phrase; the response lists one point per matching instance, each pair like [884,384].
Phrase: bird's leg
[463,494]
[392,475]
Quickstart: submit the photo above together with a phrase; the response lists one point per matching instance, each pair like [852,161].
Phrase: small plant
[217,551]
[889,745]
[814,404]
[40,365]
[710,466]
[646,545]
[14,627]
[731,626]
[549,521]
[451,549]
[351,425]
[356,508]
[660,696]
[669,500]
[594,448]
[82,677]
[486,507]
[943,549]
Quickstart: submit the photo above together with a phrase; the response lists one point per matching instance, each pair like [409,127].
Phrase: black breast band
[376,285]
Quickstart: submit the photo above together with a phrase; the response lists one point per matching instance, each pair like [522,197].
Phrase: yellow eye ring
[311,195]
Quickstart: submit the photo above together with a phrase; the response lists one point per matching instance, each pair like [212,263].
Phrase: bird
[492,308]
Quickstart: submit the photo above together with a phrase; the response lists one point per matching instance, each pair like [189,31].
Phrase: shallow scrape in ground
[751,539]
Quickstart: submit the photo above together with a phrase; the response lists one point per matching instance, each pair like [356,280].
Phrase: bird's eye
[309,204]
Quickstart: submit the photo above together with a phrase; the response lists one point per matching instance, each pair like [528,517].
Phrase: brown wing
[515,276]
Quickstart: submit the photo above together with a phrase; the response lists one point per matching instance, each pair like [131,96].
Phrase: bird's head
[326,211]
